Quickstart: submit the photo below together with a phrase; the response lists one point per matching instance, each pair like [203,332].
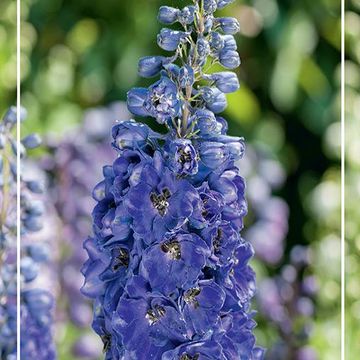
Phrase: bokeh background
[7,55]
[79,60]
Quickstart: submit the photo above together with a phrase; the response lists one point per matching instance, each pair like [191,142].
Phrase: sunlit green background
[7,54]
[79,54]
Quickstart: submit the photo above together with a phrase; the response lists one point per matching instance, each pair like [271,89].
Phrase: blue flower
[232,187]
[223,240]
[187,15]
[160,101]
[135,101]
[241,284]
[130,135]
[213,204]
[225,81]
[217,41]
[159,202]
[168,268]
[169,39]
[238,341]
[205,123]
[228,25]
[182,157]
[174,263]
[95,265]
[201,306]
[168,15]
[223,3]
[229,58]
[147,324]
[215,100]
[186,76]
[126,170]
[210,6]
[36,318]
[202,50]
[150,66]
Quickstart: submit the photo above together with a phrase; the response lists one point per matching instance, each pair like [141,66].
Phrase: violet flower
[167,268]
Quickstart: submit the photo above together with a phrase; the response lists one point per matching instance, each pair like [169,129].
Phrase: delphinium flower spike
[8,233]
[167,268]
[36,302]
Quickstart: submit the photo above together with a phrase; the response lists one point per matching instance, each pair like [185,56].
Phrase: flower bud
[202,48]
[210,6]
[168,15]
[229,43]
[187,15]
[222,3]
[213,154]
[186,76]
[169,39]
[229,59]
[206,123]
[234,145]
[29,269]
[215,100]
[225,81]
[228,25]
[150,66]
[216,41]
[35,187]
[208,24]
[38,252]
[31,141]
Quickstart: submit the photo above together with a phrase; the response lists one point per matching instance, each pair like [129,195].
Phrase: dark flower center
[217,241]
[160,201]
[172,248]
[106,339]
[185,156]
[121,259]
[154,315]
[190,296]
[189,357]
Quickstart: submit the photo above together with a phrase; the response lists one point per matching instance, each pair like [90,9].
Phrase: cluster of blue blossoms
[168,269]
[36,303]
[8,298]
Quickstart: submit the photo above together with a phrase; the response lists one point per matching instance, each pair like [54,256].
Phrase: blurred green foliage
[352,193]
[77,54]
[7,54]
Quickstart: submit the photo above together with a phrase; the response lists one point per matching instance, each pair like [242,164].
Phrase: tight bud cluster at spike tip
[168,269]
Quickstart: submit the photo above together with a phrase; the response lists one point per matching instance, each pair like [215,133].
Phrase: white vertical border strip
[343,162]
[18,189]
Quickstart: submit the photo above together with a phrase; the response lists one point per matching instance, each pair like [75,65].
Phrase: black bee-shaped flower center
[121,258]
[172,248]
[154,315]
[185,156]
[217,241]
[190,296]
[189,357]
[160,201]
